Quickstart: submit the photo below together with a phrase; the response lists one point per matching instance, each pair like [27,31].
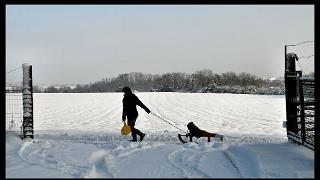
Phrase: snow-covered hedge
[213,88]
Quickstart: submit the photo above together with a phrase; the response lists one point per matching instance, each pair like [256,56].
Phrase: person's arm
[139,103]
[124,111]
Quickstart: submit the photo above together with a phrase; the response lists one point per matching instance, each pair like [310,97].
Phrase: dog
[196,132]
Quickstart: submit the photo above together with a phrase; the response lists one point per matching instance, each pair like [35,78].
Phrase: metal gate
[19,105]
[300,104]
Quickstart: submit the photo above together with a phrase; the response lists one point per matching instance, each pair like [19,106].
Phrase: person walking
[130,112]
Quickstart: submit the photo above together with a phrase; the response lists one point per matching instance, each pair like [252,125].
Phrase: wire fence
[14,109]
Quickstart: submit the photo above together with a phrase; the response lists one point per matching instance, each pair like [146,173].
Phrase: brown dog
[195,131]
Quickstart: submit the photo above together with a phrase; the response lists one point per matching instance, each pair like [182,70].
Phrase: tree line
[199,81]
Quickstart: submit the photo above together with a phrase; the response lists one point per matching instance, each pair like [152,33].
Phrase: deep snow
[78,135]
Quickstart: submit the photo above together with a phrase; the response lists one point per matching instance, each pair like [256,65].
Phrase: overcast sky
[70,44]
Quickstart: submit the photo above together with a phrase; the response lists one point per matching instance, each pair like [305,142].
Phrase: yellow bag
[125,130]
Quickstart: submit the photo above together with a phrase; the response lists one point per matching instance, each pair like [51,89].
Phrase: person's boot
[134,138]
[142,136]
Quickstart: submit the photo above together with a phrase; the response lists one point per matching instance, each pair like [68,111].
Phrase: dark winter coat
[130,101]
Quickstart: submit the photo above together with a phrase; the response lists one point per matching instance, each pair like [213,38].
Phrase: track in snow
[108,159]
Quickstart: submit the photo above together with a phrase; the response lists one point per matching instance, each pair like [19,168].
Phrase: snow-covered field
[78,135]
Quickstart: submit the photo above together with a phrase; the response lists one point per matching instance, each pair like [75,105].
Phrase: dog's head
[190,125]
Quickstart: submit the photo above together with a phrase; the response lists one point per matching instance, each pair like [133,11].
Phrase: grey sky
[85,43]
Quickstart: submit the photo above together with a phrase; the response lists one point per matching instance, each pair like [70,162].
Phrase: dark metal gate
[300,104]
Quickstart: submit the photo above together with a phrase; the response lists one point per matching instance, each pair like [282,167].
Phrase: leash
[167,122]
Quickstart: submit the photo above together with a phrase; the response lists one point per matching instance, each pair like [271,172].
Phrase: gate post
[291,93]
[27,96]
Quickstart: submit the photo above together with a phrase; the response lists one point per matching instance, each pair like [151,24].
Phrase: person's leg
[137,131]
[131,123]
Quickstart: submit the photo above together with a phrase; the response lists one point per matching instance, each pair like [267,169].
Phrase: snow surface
[78,136]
